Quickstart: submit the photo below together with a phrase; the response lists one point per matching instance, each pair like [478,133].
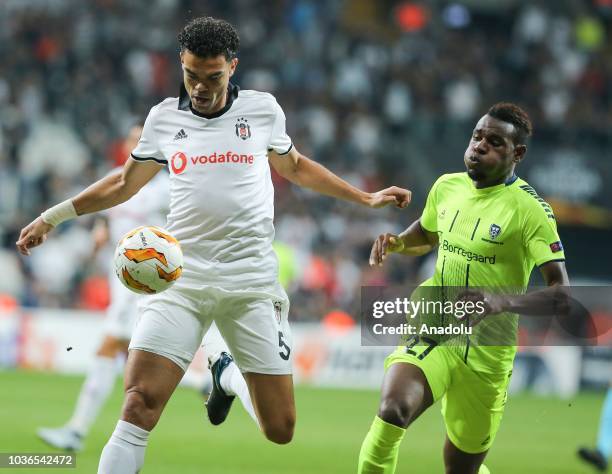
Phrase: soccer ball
[148,260]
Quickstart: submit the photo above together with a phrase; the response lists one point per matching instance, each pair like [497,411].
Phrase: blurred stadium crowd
[382,92]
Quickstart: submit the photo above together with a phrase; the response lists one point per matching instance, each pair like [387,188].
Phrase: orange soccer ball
[148,260]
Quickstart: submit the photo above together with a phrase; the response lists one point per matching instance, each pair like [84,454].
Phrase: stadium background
[382,92]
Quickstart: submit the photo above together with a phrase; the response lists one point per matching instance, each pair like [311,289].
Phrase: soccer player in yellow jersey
[491,228]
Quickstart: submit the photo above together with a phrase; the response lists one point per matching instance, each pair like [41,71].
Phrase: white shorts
[122,313]
[253,323]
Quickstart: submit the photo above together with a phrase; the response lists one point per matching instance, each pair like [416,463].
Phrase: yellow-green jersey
[490,238]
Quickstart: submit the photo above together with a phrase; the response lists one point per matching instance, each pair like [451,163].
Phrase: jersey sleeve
[279,142]
[429,217]
[147,148]
[540,235]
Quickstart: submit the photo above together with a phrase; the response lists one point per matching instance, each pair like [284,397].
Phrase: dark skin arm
[552,301]
[547,302]
[415,240]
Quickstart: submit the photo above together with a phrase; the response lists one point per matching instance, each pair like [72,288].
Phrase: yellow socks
[380,448]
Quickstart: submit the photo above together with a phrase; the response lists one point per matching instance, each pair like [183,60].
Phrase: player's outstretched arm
[304,172]
[413,241]
[108,192]
[548,301]
[552,301]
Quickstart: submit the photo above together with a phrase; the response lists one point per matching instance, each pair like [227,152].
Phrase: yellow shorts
[472,402]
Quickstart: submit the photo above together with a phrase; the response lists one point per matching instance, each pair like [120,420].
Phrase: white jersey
[148,207]
[221,193]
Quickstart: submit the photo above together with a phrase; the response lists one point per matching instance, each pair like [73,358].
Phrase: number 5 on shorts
[286,350]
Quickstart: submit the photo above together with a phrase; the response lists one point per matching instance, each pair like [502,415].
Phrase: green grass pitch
[538,435]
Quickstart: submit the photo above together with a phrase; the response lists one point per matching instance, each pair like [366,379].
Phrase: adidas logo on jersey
[181,134]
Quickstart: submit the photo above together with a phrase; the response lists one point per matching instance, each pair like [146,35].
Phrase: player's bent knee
[395,412]
[279,435]
[280,431]
[141,409]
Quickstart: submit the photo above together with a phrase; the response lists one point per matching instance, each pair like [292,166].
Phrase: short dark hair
[512,113]
[208,37]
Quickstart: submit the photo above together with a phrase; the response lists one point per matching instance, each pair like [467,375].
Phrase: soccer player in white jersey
[219,143]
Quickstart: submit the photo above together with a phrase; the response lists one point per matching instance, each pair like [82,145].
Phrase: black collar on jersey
[185,101]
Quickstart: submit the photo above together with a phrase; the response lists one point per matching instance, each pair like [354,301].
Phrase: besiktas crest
[243,129]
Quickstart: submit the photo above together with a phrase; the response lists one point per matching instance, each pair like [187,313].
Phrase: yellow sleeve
[429,217]
[540,234]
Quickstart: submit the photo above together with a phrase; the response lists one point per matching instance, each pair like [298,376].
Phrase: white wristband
[59,213]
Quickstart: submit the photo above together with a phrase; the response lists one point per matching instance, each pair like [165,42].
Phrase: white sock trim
[131,433]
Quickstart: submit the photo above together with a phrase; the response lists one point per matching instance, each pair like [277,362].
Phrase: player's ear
[519,153]
[233,64]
